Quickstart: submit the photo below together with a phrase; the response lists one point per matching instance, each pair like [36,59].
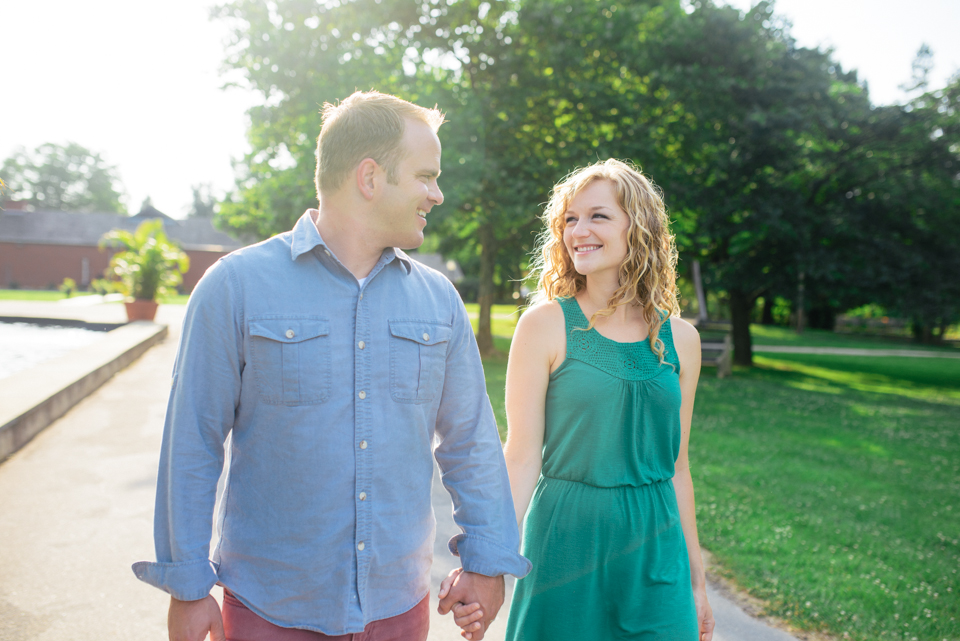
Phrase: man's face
[402,211]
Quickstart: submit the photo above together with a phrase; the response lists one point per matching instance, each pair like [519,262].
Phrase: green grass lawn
[52,295]
[774,335]
[829,486]
[30,294]
[503,319]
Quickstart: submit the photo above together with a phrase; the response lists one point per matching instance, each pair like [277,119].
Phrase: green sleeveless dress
[603,528]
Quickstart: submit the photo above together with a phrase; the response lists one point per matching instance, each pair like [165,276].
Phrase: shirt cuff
[486,557]
[186,581]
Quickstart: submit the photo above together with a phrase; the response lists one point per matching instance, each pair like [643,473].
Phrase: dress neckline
[576,304]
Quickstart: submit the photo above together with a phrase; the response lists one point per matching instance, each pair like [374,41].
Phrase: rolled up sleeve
[471,461]
[200,413]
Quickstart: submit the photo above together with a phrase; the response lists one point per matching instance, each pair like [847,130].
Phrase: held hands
[704,614]
[192,620]
[474,599]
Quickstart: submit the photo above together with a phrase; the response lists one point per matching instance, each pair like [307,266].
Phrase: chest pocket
[418,352]
[291,359]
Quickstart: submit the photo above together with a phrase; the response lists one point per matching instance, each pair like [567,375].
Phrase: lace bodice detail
[627,361]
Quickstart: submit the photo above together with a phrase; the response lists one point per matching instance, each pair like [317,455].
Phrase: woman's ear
[367,177]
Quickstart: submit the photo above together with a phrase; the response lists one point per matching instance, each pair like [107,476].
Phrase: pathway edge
[32,399]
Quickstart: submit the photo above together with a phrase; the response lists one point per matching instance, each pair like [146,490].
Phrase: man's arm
[473,471]
[200,413]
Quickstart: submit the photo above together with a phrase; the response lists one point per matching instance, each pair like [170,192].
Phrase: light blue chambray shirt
[337,396]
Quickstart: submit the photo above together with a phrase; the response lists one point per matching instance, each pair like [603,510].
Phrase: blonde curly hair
[648,273]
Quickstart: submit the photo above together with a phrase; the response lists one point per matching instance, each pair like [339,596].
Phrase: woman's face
[595,230]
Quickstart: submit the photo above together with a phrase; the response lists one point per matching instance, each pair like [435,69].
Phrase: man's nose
[436,195]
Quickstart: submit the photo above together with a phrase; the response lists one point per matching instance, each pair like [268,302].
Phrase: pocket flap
[289,330]
[423,332]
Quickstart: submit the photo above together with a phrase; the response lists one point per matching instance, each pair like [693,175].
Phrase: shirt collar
[306,237]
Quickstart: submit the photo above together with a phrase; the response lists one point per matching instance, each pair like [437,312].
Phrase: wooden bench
[716,348]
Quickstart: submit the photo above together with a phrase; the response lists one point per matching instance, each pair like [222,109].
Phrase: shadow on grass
[931,380]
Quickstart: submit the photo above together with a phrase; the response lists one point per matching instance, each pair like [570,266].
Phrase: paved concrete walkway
[76,509]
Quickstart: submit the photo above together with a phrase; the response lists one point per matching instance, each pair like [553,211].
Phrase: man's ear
[367,172]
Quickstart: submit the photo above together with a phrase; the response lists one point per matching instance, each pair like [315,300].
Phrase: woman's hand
[467,617]
[705,620]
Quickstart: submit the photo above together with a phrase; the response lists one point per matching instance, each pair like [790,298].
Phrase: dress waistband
[607,487]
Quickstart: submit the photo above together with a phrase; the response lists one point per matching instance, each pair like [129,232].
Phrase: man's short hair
[366,125]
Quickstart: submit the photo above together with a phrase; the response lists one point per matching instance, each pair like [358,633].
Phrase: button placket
[363,420]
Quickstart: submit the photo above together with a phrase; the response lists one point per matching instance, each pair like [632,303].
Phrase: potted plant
[148,265]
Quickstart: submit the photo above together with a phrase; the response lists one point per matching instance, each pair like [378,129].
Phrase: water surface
[23,345]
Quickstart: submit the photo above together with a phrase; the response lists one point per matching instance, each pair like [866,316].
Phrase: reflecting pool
[23,345]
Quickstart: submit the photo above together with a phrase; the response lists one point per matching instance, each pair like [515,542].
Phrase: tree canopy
[781,177]
[63,178]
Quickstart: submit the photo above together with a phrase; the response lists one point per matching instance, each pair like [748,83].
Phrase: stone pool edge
[32,399]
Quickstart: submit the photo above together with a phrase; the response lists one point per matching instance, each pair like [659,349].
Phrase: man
[336,364]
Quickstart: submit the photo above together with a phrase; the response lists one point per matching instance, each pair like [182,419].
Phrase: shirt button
[290,333]
[363,445]
[326,251]
[361,295]
[362,395]
[360,546]
[426,336]
[363,496]
[361,344]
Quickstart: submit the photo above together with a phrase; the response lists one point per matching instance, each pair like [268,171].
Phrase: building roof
[70,228]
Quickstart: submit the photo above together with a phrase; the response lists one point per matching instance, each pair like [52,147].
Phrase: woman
[599,399]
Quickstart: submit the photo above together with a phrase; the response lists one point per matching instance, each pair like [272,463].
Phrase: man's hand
[475,600]
[192,620]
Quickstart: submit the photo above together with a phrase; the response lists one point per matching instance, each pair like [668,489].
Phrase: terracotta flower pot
[141,310]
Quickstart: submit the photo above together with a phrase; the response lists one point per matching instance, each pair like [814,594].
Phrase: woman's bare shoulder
[543,322]
[541,336]
[684,332]
[542,315]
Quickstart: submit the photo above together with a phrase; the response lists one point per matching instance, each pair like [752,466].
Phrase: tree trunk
[942,334]
[486,291]
[702,315]
[766,317]
[740,307]
[801,316]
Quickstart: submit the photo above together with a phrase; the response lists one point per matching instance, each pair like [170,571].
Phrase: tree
[515,125]
[765,150]
[204,202]
[63,178]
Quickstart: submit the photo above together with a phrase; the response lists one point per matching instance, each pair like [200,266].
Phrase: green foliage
[776,167]
[68,287]
[148,264]
[63,178]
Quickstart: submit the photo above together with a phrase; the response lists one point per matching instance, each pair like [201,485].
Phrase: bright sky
[139,81]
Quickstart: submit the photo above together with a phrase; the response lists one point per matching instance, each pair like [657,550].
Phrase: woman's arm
[538,341]
[687,341]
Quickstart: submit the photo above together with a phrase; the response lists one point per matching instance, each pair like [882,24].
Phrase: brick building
[38,249]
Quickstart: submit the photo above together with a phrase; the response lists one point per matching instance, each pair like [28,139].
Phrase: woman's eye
[600,216]
[570,219]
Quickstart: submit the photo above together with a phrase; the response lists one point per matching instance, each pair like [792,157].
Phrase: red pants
[241,624]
